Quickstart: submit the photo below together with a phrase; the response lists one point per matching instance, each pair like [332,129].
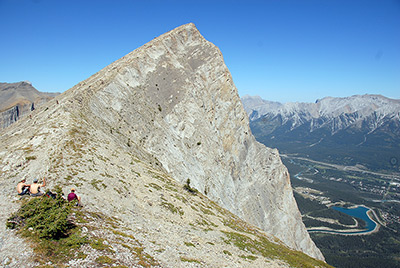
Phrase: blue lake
[358,212]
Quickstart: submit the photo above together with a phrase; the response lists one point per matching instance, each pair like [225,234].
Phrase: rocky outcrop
[9,116]
[170,107]
[19,99]
[175,97]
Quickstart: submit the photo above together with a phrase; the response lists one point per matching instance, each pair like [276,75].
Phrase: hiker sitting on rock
[22,187]
[35,187]
[72,196]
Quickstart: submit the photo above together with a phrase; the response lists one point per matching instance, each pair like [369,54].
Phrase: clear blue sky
[282,50]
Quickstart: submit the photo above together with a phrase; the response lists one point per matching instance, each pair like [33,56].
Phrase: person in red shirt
[72,196]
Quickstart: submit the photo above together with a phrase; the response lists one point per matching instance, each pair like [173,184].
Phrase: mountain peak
[18,99]
[12,94]
[186,32]
[188,27]
[171,106]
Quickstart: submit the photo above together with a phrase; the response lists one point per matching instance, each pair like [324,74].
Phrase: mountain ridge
[327,106]
[176,160]
[364,123]
[169,107]
[18,99]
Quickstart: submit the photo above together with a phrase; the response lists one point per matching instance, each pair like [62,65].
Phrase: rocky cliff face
[171,104]
[19,99]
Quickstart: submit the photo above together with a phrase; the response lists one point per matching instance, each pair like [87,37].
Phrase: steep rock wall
[175,97]
[18,100]
[9,116]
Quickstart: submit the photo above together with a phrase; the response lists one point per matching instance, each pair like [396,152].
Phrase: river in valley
[360,212]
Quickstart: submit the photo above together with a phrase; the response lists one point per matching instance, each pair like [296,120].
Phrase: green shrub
[45,222]
[104,260]
[227,252]
[45,216]
[190,260]
[29,158]
[188,188]
[248,257]
[189,244]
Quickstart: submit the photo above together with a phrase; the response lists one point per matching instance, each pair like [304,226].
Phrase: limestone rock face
[19,99]
[175,97]
[167,110]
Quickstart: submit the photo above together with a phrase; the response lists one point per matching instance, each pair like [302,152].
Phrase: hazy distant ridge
[354,126]
[18,99]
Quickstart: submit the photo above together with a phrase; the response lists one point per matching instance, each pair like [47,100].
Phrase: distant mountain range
[18,99]
[361,129]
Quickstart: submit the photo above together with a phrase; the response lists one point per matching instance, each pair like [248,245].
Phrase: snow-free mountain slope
[175,97]
[18,99]
[171,104]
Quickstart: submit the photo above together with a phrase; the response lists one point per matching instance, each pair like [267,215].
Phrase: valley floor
[319,187]
[356,168]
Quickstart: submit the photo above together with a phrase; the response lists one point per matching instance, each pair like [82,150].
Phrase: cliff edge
[169,109]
